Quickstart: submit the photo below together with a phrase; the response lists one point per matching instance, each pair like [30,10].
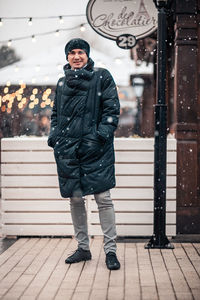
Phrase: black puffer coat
[84,118]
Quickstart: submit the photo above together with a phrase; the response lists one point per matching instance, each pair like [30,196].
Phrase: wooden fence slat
[64,206]
[53,193]
[136,205]
[141,169]
[24,143]
[38,230]
[27,156]
[37,218]
[139,218]
[48,157]
[141,157]
[52,181]
[40,143]
[31,198]
[32,206]
[134,230]
[50,169]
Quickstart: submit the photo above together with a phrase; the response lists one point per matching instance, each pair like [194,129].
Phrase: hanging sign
[124,21]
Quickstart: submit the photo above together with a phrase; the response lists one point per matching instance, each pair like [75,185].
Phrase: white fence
[31,201]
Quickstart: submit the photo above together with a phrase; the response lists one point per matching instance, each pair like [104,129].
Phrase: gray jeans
[106,216]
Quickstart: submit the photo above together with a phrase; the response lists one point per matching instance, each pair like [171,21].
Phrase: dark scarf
[79,79]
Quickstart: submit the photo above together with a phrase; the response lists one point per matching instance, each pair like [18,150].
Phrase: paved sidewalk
[34,268]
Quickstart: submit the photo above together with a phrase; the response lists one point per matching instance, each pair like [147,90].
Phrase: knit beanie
[77,44]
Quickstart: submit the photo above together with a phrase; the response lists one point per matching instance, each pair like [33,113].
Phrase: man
[84,118]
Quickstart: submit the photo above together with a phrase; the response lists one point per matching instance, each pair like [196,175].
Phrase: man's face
[77,58]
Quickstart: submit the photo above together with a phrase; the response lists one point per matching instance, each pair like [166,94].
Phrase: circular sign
[126,41]
[114,18]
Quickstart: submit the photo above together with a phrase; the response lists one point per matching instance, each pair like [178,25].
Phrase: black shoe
[79,255]
[112,262]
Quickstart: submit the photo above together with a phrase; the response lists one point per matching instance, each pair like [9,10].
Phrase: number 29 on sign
[126,41]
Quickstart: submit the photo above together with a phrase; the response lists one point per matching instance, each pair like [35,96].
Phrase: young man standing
[84,118]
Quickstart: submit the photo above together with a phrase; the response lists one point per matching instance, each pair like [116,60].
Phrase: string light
[61,20]
[57,33]
[44,17]
[82,28]
[9,43]
[30,21]
[118,61]
[41,34]
[33,39]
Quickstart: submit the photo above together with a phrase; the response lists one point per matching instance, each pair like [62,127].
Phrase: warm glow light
[48,101]
[32,97]
[19,97]
[20,105]
[20,91]
[6,90]
[6,97]
[36,101]
[23,86]
[44,97]
[9,105]
[8,110]
[51,104]
[31,105]
[42,105]
[11,98]
[48,91]
[3,108]
[8,83]
[34,91]
[24,100]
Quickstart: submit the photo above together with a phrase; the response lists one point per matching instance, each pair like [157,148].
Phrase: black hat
[77,44]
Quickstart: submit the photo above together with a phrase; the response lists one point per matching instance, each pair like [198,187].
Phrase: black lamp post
[138,85]
[159,238]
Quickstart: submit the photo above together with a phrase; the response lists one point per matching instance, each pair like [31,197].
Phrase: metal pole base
[161,243]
